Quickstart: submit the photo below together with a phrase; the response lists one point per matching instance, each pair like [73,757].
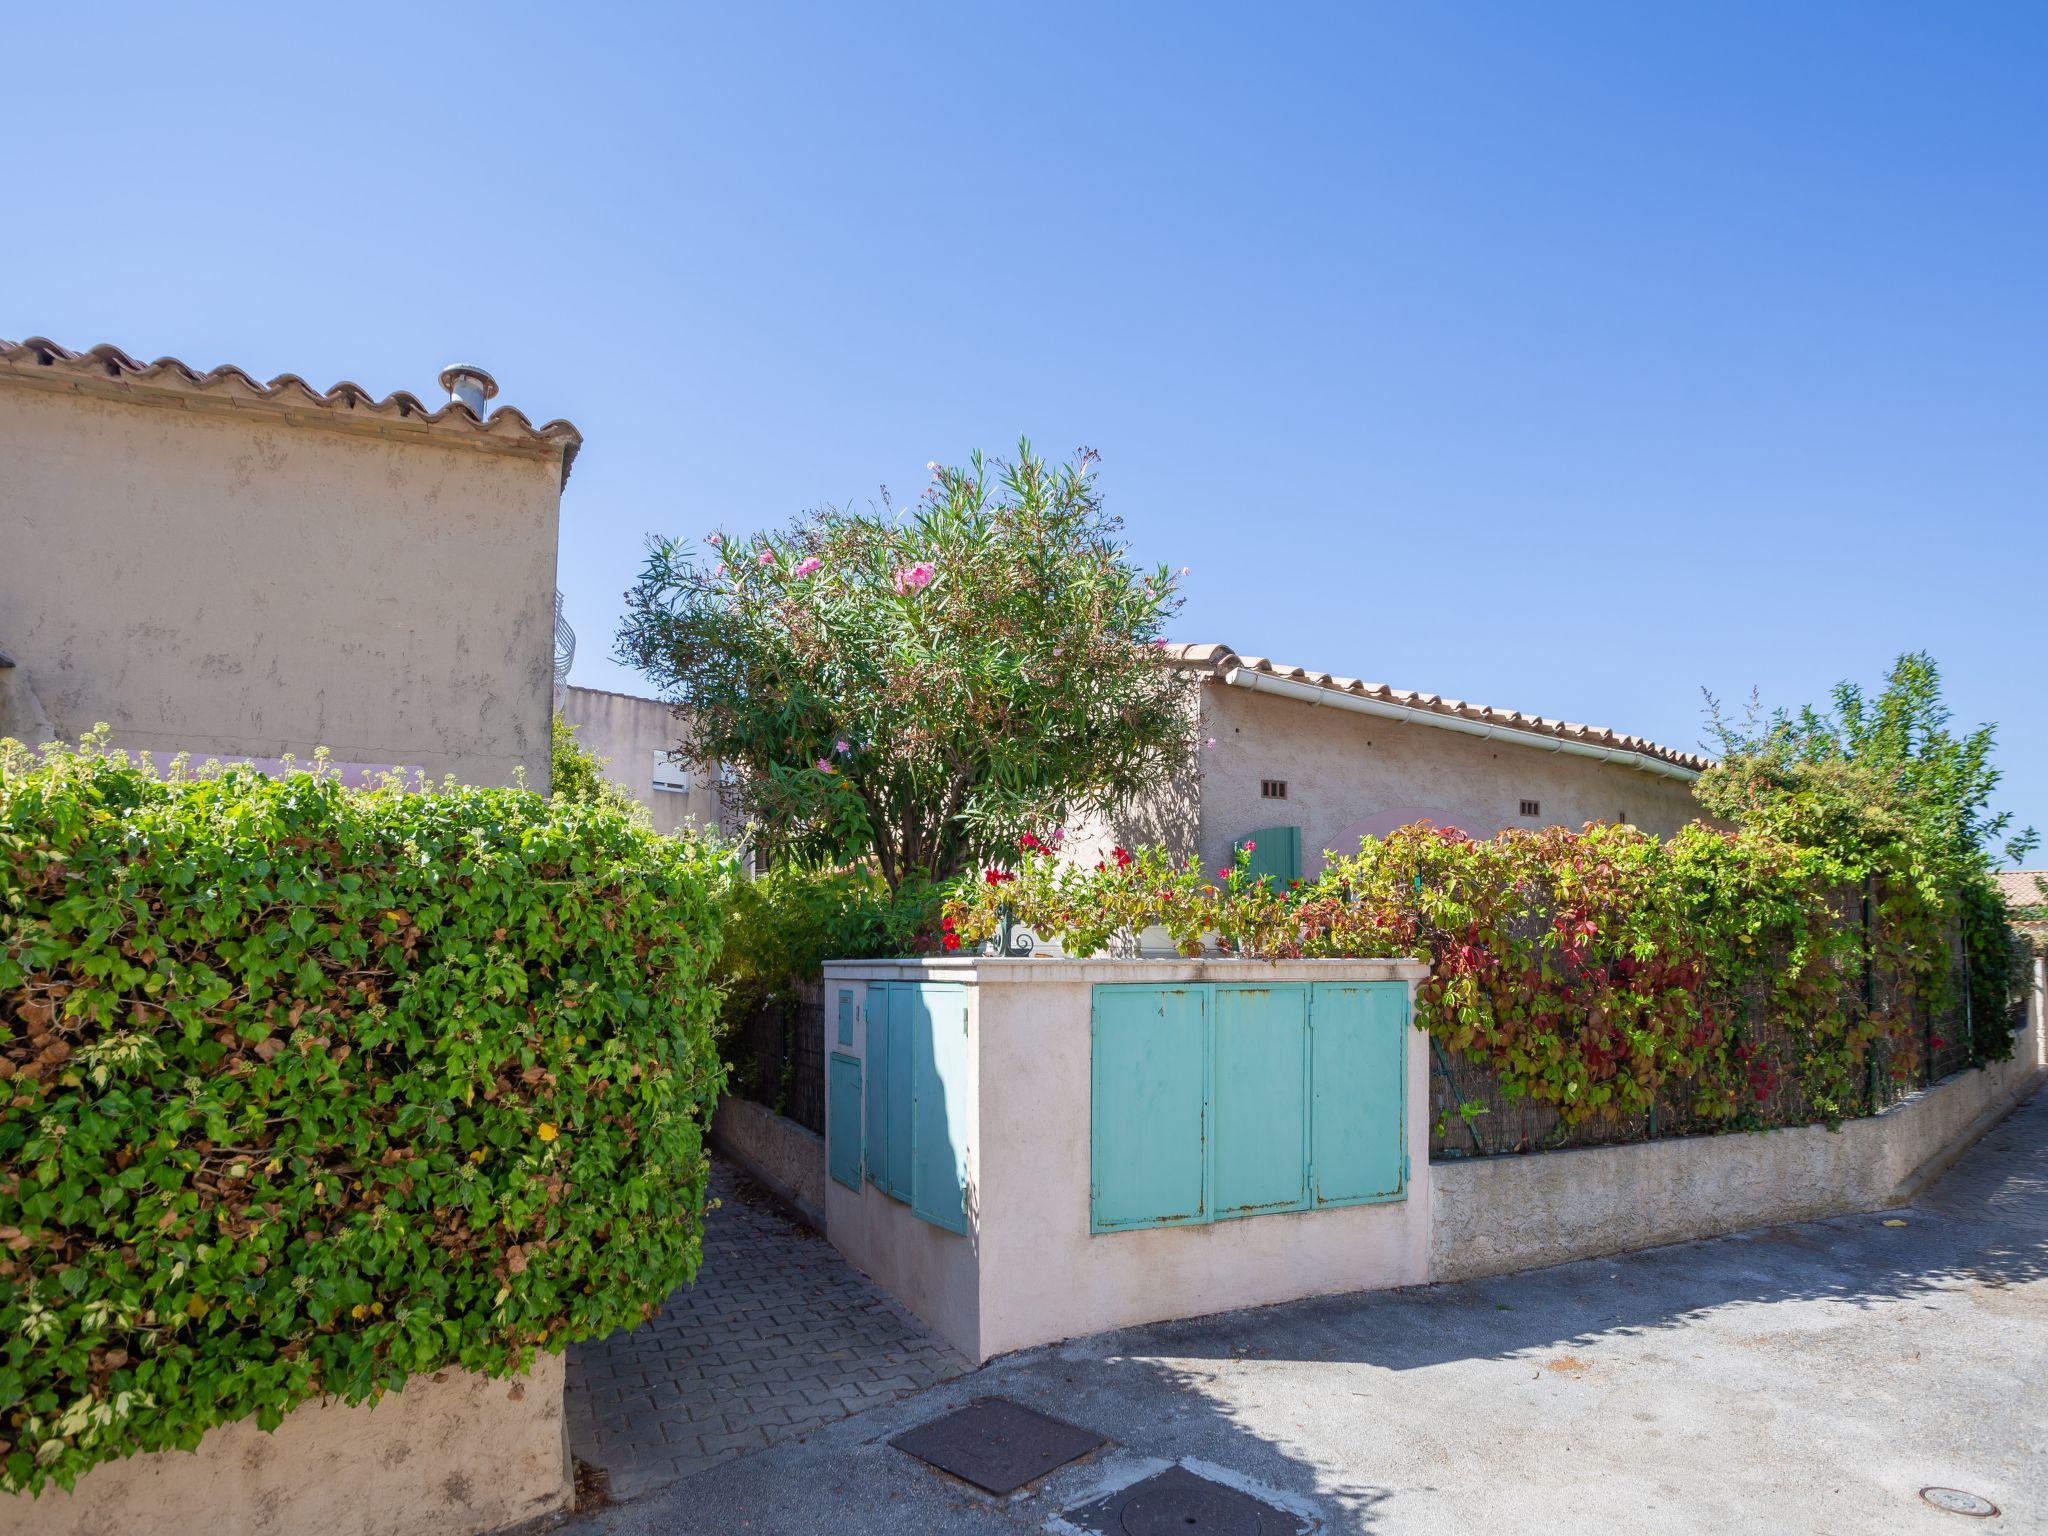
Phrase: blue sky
[1568,357]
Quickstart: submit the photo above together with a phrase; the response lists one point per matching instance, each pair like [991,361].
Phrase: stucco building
[636,737]
[1301,762]
[217,565]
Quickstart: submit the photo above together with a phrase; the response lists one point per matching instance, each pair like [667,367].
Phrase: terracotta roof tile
[107,370]
[1221,659]
[2020,887]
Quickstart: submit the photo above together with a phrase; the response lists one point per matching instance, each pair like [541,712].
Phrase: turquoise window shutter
[1260,1138]
[902,1067]
[1276,852]
[846,1016]
[842,1154]
[1149,1109]
[1359,1065]
[879,1166]
[940,1101]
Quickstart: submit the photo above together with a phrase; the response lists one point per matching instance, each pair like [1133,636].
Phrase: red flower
[952,939]
[1122,856]
[997,876]
[1223,874]
[1027,842]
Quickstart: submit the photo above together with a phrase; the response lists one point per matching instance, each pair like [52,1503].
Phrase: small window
[1532,808]
[670,775]
[1273,789]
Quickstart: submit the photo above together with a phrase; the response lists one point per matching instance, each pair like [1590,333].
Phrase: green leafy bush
[306,1090]
[577,773]
[782,928]
[915,688]
[1589,970]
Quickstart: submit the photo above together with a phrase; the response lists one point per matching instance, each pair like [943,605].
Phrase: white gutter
[1311,693]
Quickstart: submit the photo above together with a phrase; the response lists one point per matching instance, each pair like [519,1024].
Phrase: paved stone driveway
[778,1336]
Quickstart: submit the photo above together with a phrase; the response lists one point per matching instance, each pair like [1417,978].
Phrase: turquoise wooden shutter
[1149,1111]
[902,1068]
[846,1015]
[842,1151]
[1277,852]
[1259,1141]
[880,1168]
[938,1156]
[1359,1054]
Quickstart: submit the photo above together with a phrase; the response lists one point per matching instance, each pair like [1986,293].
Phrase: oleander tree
[921,685]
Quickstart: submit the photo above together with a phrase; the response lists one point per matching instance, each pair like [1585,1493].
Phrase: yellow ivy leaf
[545,1131]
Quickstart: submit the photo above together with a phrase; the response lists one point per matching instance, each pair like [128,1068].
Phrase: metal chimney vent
[469,384]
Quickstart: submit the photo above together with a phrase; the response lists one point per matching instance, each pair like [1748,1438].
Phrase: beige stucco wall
[1029,1271]
[248,586]
[452,1455]
[1498,1214]
[627,732]
[1348,774]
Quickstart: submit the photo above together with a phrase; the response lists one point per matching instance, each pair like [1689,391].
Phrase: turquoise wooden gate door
[1149,1113]
[1225,1100]
[917,1097]
[1261,1099]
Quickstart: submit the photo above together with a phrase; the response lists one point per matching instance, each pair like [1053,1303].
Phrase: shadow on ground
[1812,1377]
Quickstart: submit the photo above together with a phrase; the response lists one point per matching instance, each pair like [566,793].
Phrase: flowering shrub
[915,688]
[1589,970]
[305,1090]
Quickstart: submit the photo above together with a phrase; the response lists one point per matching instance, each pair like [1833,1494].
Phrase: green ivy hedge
[306,1090]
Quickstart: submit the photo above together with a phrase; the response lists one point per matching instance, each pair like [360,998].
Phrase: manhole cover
[997,1444]
[1957,1502]
[1176,1502]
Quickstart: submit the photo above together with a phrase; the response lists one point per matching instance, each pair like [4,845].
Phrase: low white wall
[1498,1214]
[785,1158]
[454,1454]
[1029,1271]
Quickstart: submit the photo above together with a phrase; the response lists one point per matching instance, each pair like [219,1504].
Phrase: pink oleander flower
[714,539]
[805,566]
[1158,645]
[1210,742]
[915,578]
[1251,847]
[766,557]
[825,765]
[842,747]
[932,465]
[1183,570]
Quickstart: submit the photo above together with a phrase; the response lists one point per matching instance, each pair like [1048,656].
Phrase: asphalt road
[1810,1378]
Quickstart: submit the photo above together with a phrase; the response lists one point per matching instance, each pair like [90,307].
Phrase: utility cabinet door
[940,1090]
[1150,1107]
[1360,1068]
[888,1087]
[880,1169]
[1260,1139]
[842,1151]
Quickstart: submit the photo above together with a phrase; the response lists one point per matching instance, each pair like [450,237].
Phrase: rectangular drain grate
[996,1444]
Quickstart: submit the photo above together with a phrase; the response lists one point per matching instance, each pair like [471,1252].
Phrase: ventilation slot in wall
[1532,808]
[1272,789]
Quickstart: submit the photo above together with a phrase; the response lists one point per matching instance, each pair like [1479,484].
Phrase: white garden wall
[1029,1270]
